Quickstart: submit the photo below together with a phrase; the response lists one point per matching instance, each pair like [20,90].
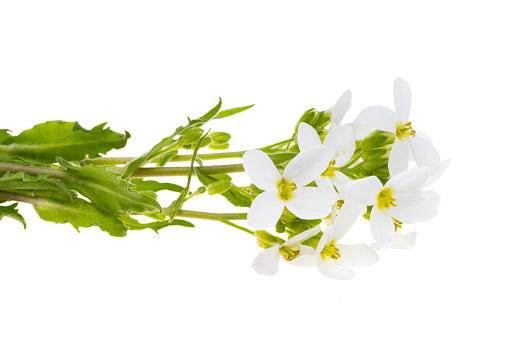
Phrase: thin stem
[140,172]
[210,216]
[223,220]
[10,196]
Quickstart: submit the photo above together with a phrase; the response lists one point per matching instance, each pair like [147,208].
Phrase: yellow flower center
[288,253]
[330,169]
[331,251]
[405,130]
[285,189]
[385,199]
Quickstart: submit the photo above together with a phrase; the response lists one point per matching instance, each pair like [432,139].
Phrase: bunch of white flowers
[340,173]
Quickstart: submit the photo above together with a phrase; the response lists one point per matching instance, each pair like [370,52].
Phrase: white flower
[399,201]
[266,262]
[407,141]
[341,145]
[287,190]
[339,110]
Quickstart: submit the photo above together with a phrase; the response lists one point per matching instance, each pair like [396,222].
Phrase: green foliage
[107,190]
[80,213]
[4,134]
[178,203]
[230,112]
[134,224]
[37,186]
[170,143]
[47,141]
[11,212]
[151,185]
[235,195]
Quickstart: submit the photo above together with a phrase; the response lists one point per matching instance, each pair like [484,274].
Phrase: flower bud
[218,187]
[192,136]
[377,139]
[220,137]
[370,165]
[265,240]
[219,146]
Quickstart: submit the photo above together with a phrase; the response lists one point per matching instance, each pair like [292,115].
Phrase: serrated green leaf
[21,161]
[106,189]
[134,224]
[150,185]
[47,141]
[11,212]
[234,195]
[80,213]
[4,134]
[169,143]
[37,186]
[230,112]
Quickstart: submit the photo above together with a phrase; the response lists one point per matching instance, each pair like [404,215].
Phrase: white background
[144,66]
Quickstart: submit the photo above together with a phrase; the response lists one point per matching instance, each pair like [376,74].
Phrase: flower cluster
[339,173]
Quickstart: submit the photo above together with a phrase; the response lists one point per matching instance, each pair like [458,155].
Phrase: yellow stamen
[330,169]
[331,251]
[385,199]
[285,189]
[405,130]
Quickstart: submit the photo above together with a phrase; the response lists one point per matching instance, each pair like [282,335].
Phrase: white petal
[341,107]
[326,184]
[341,143]
[330,269]
[266,262]
[403,241]
[382,226]
[307,165]
[402,98]
[364,191]
[309,203]
[307,136]
[424,152]
[356,255]
[345,218]
[398,159]
[413,208]
[339,181]
[305,235]
[407,181]
[326,238]
[378,117]
[261,170]
[435,173]
[306,257]
[265,210]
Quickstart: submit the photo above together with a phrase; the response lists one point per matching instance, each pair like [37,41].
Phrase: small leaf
[167,157]
[134,224]
[218,187]
[151,185]
[36,186]
[230,112]
[4,134]
[234,195]
[11,212]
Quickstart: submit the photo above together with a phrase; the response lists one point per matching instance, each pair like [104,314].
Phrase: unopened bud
[377,139]
[265,240]
[219,146]
[220,137]
[219,187]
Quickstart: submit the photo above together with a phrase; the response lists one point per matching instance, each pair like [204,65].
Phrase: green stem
[224,218]
[10,196]
[140,172]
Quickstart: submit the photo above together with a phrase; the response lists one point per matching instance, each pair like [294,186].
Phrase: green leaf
[4,134]
[22,161]
[219,187]
[37,186]
[9,211]
[80,213]
[230,112]
[170,143]
[150,185]
[47,141]
[178,203]
[234,195]
[167,157]
[134,224]
[106,189]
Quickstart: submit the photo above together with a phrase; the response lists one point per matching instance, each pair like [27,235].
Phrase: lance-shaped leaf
[37,186]
[134,224]
[234,195]
[47,141]
[230,112]
[151,185]
[10,211]
[106,189]
[80,213]
[170,143]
